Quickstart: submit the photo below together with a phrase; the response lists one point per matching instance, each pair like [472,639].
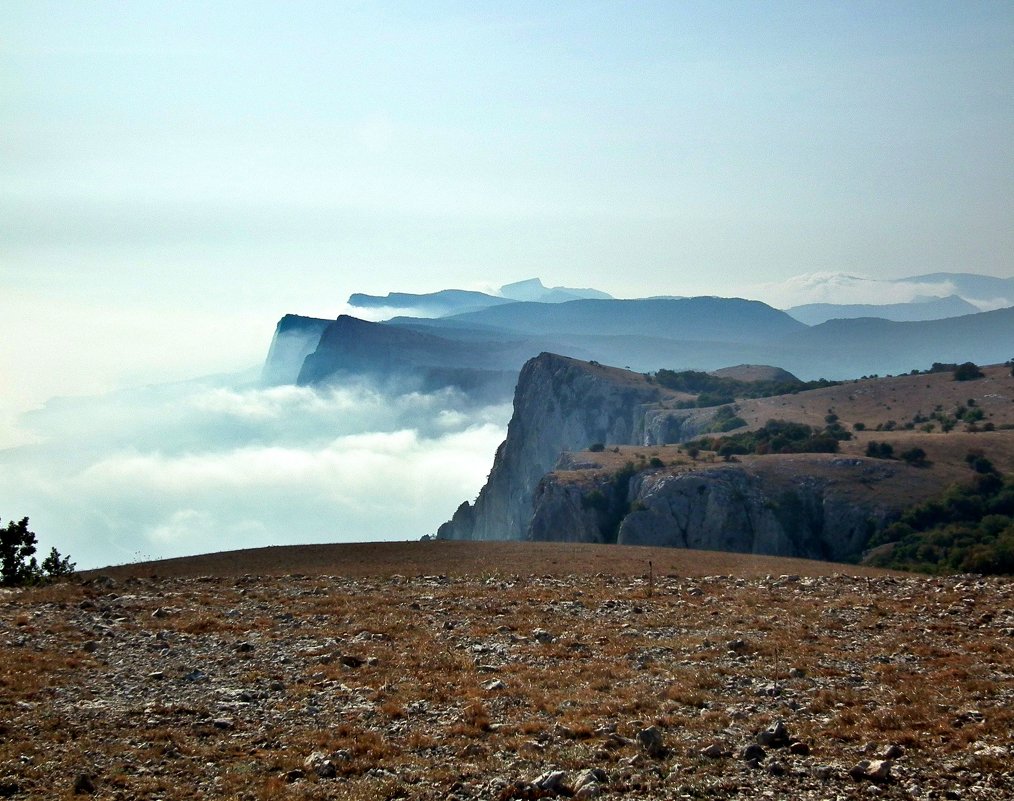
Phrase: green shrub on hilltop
[714,390]
[776,436]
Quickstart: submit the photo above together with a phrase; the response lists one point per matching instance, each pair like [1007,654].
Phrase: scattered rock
[319,764]
[774,736]
[652,742]
[84,784]
[713,751]
[753,753]
[893,751]
[554,781]
[351,661]
[542,636]
[877,770]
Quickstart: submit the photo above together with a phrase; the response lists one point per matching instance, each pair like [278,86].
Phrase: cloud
[842,288]
[215,465]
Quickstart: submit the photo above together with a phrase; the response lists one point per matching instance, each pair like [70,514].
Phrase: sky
[174,177]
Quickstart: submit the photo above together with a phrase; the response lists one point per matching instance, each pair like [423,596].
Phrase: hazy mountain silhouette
[928,309]
[533,290]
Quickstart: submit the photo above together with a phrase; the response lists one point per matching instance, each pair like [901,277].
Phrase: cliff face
[295,338]
[803,506]
[821,506]
[560,404]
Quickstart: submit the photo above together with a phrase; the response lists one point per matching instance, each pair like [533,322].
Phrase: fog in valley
[223,463]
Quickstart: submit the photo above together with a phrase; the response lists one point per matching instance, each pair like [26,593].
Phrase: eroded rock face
[560,404]
[798,508]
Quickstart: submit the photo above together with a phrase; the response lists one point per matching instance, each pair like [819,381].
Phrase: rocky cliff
[801,505]
[295,338]
[822,506]
[560,404]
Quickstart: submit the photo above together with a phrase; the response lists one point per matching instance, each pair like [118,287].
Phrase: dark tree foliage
[716,390]
[17,557]
[969,529]
[880,450]
[777,436]
[968,371]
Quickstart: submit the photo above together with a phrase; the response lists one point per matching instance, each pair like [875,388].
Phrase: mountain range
[483,349]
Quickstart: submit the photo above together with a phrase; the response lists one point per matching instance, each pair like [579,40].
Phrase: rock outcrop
[295,338]
[560,404]
[821,506]
[800,505]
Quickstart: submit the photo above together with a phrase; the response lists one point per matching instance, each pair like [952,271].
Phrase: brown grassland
[470,670]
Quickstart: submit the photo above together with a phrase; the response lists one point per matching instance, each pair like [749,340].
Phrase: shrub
[968,371]
[18,565]
[597,447]
[880,450]
[914,456]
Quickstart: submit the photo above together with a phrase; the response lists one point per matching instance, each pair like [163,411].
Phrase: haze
[175,177]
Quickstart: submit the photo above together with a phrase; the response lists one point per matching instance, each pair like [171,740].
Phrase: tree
[914,456]
[17,544]
[968,371]
[17,557]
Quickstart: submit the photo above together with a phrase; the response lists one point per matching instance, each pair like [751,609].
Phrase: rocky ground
[503,687]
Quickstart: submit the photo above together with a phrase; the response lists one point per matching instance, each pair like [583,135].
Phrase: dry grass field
[506,671]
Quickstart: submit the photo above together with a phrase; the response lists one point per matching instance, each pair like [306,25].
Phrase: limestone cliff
[560,404]
[295,338]
[811,505]
[822,506]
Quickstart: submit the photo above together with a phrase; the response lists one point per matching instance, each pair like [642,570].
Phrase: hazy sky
[175,176]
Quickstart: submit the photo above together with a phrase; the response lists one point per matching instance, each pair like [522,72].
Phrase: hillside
[641,484]
[507,683]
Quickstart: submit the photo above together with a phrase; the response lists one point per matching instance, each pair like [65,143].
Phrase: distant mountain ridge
[456,301]
[646,335]
[927,309]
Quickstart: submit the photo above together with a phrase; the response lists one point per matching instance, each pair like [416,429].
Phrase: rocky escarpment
[800,505]
[295,338]
[560,404]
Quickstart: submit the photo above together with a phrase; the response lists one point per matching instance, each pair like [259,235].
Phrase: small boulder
[652,742]
[774,736]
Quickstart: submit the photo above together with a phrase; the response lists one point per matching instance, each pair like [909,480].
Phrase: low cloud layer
[841,288]
[216,465]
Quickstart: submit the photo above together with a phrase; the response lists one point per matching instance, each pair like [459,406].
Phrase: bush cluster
[776,436]
[717,391]
[969,529]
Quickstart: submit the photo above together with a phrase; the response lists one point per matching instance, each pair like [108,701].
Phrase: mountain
[295,338]
[574,466]
[703,319]
[985,291]
[488,348]
[456,301]
[869,346]
[349,346]
[533,290]
[928,309]
[432,304]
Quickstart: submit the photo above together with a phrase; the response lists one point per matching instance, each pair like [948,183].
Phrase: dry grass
[583,661]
